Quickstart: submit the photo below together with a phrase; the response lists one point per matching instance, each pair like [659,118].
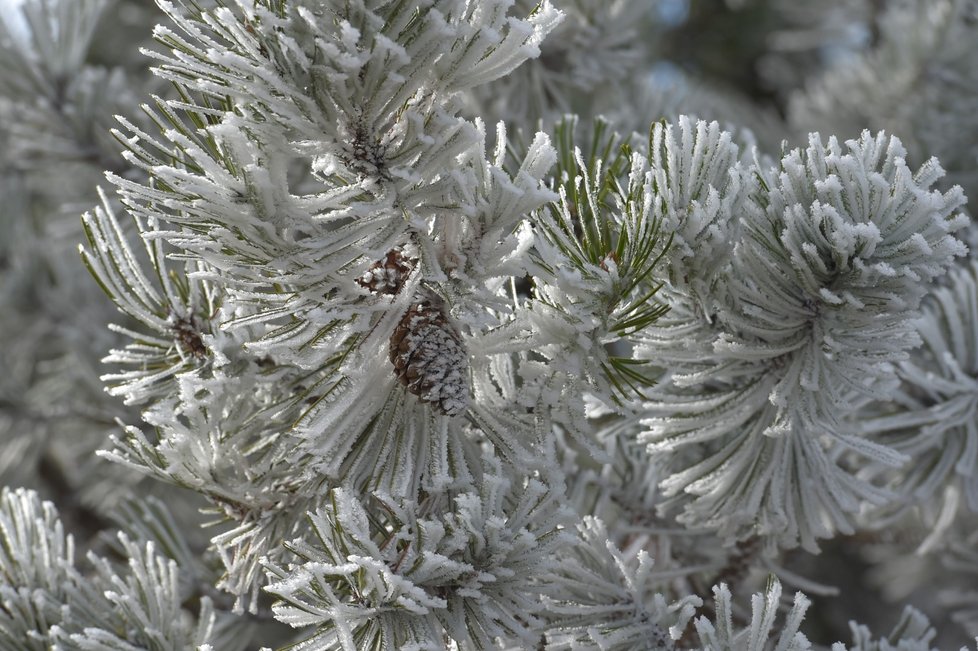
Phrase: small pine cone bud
[187,334]
[387,276]
[429,358]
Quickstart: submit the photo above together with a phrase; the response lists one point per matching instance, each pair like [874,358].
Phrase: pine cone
[387,276]
[187,333]
[429,358]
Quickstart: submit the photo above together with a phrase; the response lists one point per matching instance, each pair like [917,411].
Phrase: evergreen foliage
[462,330]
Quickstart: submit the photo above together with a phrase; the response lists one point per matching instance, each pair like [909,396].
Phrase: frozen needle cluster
[435,384]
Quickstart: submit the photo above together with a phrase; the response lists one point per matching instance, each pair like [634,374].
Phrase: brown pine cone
[430,359]
[187,333]
[387,276]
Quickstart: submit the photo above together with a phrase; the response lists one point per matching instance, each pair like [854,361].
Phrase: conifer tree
[471,324]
